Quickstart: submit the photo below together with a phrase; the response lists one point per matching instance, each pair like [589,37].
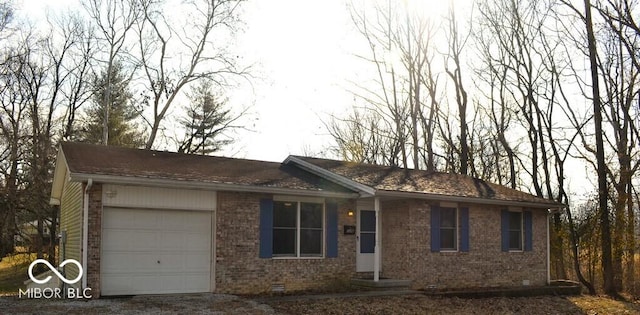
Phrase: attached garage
[156,240]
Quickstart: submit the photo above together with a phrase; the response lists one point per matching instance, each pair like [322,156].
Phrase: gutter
[160,182]
[548,250]
[85,231]
[462,199]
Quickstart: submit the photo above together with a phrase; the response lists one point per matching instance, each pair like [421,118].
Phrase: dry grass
[419,304]
[405,304]
[604,305]
[13,272]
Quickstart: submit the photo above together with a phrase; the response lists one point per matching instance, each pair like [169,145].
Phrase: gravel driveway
[165,304]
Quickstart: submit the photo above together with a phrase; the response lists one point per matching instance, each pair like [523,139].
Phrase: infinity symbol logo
[54,270]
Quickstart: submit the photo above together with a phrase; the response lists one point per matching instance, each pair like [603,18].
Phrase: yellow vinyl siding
[71,221]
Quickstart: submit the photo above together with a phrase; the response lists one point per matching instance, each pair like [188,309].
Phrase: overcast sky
[302,56]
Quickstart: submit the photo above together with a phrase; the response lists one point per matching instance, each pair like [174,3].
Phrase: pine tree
[122,113]
[206,119]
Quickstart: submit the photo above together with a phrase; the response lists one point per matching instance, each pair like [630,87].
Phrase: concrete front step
[382,284]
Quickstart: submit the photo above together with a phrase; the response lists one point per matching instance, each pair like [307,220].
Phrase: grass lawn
[420,304]
[13,272]
[404,304]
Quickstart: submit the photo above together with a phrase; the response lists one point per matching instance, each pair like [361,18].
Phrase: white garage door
[148,251]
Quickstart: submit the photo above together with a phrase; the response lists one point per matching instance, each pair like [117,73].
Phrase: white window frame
[299,201]
[457,229]
[521,249]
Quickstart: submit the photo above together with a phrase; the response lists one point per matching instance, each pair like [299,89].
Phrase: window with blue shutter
[449,229]
[516,230]
[298,229]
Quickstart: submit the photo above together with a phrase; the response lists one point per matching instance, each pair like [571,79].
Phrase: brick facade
[238,268]
[94,241]
[406,252]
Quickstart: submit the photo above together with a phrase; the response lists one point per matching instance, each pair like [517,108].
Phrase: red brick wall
[406,252]
[95,235]
[238,268]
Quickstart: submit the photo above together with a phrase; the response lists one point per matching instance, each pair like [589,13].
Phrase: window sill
[297,258]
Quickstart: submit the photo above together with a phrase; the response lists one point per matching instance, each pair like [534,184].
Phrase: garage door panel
[125,263]
[130,240]
[169,252]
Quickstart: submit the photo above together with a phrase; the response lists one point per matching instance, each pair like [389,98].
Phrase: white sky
[303,57]
[302,53]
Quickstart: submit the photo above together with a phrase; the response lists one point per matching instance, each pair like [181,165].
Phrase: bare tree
[113,19]
[403,96]
[457,41]
[603,209]
[172,57]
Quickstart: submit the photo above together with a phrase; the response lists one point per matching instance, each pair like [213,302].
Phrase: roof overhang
[190,184]
[60,174]
[463,199]
[364,190]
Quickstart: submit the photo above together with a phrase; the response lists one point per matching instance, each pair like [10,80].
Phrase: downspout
[548,250]
[85,231]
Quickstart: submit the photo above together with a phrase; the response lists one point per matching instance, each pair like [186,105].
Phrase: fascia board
[331,176]
[462,199]
[158,182]
[59,177]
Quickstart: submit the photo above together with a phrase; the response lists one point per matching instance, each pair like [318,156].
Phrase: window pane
[284,242]
[367,242]
[311,215]
[448,218]
[515,240]
[284,214]
[448,238]
[310,242]
[515,221]
[367,221]
[515,230]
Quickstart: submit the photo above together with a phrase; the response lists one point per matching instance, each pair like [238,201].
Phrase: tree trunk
[605,237]
[576,258]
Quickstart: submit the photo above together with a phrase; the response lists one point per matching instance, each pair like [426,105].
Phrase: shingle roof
[116,161]
[395,179]
[88,159]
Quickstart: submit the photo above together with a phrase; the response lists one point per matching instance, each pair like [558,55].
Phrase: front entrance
[366,240]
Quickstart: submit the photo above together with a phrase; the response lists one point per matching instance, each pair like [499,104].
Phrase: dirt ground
[400,304]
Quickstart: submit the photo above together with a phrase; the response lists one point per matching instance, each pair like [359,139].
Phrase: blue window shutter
[464,229]
[528,231]
[435,229]
[332,229]
[505,230]
[266,228]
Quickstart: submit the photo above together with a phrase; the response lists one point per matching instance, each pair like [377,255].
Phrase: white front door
[365,240]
